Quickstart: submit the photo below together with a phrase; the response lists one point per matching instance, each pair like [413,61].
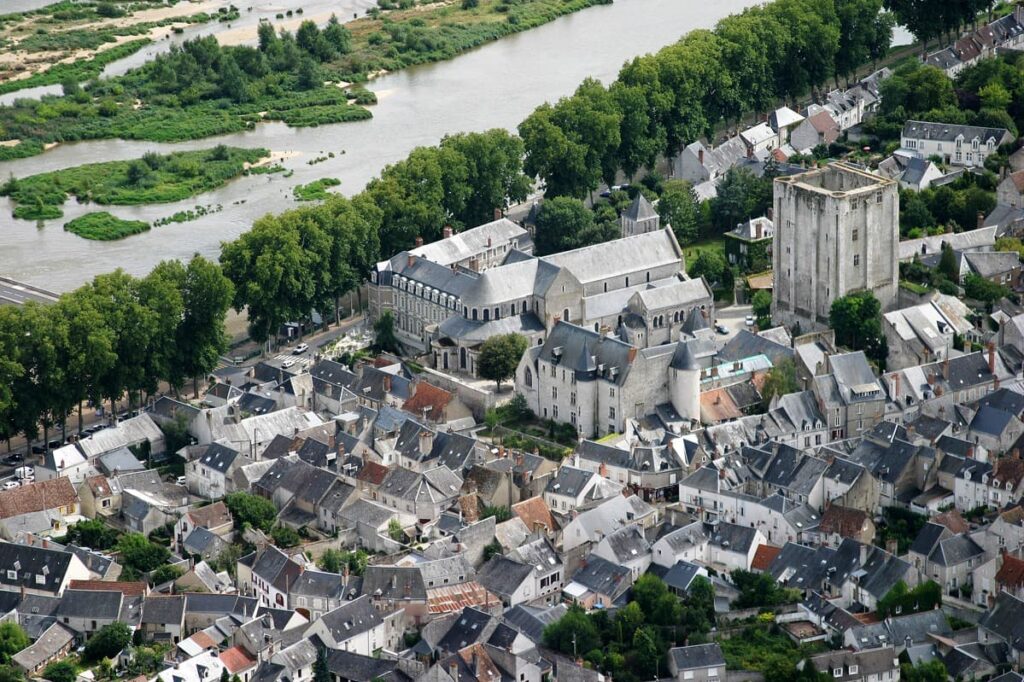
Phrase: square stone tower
[836,232]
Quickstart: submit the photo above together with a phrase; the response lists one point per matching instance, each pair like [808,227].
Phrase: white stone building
[836,232]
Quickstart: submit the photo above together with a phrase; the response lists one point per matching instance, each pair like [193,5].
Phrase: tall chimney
[426,441]
[991,357]
[700,156]
[896,386]
[497,213]
[945,369]
[981,219]
[447,231]
[411,260]
[419,242]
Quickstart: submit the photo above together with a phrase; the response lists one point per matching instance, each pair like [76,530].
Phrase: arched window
[597,326]
[487,314]
[462,356]
[446,359]
[474,313]
[565,314]
[523,308]
[528,378]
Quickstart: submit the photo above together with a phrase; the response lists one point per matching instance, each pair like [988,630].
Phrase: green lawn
[691,251]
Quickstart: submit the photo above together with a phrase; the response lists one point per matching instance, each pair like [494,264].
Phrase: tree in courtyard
[762,305]
[741,196]
[984,290]
[500,356]
[932,671]
[12,640]
[562,223]
[384,333]
[780,380]
[139,553]
[108,641]
[92,533]
[678,207]
[948,265]
[321,673]
[60,671]
[573,633]
[395,531]
[857,321]
[251,510]
[711,266]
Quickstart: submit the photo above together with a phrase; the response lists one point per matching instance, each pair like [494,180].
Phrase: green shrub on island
[201,88]
[79,70]
[316,190]
[155,178]
[102,226]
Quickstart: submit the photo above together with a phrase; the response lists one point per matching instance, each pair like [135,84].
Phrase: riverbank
[67,41]
[152,179]
[170,100]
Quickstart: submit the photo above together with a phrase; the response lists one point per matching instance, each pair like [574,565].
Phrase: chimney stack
[945,369]
[896,386]
[426,441]
[991,357]
[700,156]
[981,219]
[447,231]
[498,214]
[770,213]
[419,242]
[411,260]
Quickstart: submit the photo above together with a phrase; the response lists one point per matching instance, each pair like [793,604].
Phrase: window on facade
[856,260]
[611,413]
[854,235]
[554,393]
[554,411]
[878,197]
[528,378]
[611,392]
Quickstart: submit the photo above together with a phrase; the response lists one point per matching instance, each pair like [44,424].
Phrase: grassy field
[152,179]
[716,244]
[104,227]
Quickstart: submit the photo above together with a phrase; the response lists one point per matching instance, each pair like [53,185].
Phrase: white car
[10,485]
[180,480]
[288,363]
[300,349]
[25,472]
[750,321]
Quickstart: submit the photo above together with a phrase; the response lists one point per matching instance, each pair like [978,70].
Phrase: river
[496,85]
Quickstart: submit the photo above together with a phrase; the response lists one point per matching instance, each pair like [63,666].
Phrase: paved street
[16,293]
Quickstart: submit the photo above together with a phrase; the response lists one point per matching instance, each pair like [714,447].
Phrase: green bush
[107,642]
[316,190]
[103,226]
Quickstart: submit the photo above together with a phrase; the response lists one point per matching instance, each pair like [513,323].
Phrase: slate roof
[928,538]
[100,605]
[1006,620]
[747,345]
[163,610]
[956,550]
[351,619]
[276,568]
[640,209]
[603,577]
[357,668]
[949,132]
[28,562]
[697,656]
[583,350]
[569,481]
[218,457]
[681,575]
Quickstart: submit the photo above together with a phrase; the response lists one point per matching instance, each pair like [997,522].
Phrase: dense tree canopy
[499,357]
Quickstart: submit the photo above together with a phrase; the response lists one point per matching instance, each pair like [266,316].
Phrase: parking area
[734,318]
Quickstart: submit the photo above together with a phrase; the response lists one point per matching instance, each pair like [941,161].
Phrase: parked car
[721,328]
[25,472]
[14,458]
[300,349]
[11,485]
[180,480]
[288,363]
[38,449]
[750,321]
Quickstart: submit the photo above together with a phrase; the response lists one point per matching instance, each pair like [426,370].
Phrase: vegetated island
[203,89]
[155,178]
[316,190]
[102,226]
[72,42]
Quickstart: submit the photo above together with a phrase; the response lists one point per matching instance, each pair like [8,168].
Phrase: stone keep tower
[836,232]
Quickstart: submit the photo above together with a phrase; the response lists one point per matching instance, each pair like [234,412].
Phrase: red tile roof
[428,401]
[236,660]
[372,473]
[764,556]
[35,497]
[1011,573]
[535,511]
[1008,469]
[128,589]
[211,516]
[99,485]
[453,598]
[842,520]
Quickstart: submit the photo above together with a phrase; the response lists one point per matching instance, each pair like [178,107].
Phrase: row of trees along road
[303,259]
[114,335]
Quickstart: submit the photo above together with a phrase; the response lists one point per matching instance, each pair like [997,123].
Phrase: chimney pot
[991,357]
[419,242]
[447,231]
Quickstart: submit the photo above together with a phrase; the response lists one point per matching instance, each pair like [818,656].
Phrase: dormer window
[853,670]
[12,575]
